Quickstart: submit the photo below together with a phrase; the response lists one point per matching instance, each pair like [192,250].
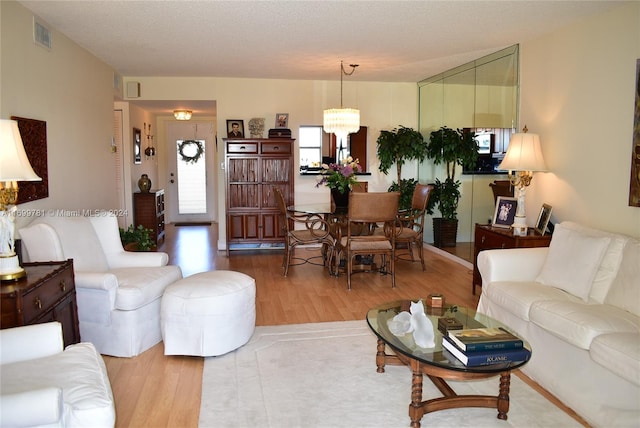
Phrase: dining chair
[411,231]
[303,229]
[370,208]
[360,186]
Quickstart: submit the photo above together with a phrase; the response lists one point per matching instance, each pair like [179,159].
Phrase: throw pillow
[625,292]
[572,261]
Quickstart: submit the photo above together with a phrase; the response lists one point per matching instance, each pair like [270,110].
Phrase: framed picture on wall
[137,142]
[505,211]
[235,128]
[543,219]
[282,120]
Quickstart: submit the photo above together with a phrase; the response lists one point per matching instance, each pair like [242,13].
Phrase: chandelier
[342,121]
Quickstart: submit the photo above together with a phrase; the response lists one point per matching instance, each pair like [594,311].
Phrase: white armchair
[118,292]
[43,386]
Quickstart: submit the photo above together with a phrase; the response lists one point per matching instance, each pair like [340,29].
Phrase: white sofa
[118,292]
[43,386]
[578,304]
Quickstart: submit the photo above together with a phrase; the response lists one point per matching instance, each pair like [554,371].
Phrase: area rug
[324,375]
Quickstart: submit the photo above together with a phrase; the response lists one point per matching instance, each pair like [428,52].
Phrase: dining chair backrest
[360,186]
[373,207]
[282,205]
[420,197]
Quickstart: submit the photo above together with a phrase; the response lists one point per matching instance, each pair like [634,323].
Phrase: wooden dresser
[46,294]
[148,210]
[253,167]
[488,237]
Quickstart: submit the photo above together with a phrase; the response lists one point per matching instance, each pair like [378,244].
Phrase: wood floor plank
[154,390]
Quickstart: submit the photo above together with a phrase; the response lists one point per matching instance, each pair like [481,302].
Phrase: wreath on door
[190,150]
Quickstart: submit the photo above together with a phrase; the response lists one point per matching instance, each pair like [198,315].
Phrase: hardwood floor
[154,390]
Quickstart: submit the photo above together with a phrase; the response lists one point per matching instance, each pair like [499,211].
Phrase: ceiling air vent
[41,34]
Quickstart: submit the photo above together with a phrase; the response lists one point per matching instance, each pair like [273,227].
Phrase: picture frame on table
[543,219]
[235,128]
[505,212]
[282,120]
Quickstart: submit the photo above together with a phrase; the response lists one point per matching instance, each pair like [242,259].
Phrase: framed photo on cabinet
[543,219]
[235,128]
[505,212]
[282,120]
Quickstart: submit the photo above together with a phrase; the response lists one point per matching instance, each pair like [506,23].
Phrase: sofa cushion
[87,396]
[517,297]
[625,290]
[579,323]
[140,286]
[572,261]
[610,261]
[620,353]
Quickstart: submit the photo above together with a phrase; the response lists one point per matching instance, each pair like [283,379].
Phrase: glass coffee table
[437,363]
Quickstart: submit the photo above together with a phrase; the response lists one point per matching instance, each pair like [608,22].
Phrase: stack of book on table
[485,346]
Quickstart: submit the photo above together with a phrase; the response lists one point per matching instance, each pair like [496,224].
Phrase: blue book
[485,358]
[485,339]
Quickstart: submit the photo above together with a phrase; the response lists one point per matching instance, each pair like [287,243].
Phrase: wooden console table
[47,293]
[488,237]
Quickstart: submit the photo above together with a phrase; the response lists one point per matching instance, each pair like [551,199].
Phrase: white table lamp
[524,156]
[14,167]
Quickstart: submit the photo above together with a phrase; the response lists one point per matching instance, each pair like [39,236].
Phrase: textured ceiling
[393,41]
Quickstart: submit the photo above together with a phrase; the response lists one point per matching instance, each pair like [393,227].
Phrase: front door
[191,165]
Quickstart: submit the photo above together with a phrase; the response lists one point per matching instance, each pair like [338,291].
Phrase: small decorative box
[446,323]
[435,300]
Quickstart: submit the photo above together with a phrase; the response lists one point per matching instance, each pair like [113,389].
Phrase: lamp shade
[524,154]
[341,121]
[14,164]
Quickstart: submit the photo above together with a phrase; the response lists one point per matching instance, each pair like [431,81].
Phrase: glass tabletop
[379,316]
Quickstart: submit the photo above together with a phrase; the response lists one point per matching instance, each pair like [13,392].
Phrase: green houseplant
[398,146]
[137,238]
[451,147]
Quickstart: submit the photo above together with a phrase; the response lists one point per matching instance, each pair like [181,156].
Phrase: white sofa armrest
[39,407]
[127,259]
[30,342]
[96,280]
[514,264]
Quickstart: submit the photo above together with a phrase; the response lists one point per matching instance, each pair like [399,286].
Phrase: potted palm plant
[451,147]
[397,147]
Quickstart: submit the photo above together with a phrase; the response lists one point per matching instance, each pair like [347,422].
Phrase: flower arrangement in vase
[340,177]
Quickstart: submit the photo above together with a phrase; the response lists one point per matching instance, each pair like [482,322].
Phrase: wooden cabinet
[488,238]
[253,167]
[148,210]
[46,294]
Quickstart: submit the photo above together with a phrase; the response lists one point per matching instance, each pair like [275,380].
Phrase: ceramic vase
[144,183]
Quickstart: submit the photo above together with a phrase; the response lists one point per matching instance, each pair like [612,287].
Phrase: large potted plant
[137,238]
[451,147]
[397,147]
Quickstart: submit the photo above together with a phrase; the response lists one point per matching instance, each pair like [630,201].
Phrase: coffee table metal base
[450,399]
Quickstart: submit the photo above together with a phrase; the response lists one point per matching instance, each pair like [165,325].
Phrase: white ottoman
[209,313]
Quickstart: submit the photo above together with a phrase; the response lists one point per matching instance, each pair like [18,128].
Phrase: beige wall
[577,91]
[72,91]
